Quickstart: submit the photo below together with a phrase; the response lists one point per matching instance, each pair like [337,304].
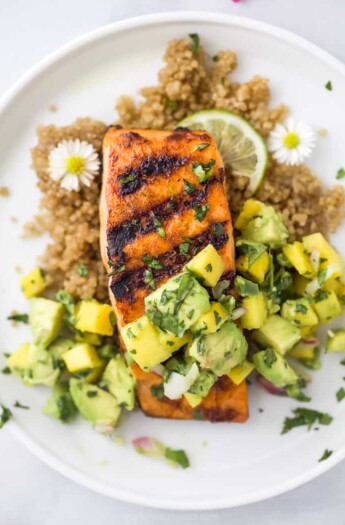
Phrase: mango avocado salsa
[196,328]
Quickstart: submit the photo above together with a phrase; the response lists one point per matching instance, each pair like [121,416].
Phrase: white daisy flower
[292,143]
[73,162]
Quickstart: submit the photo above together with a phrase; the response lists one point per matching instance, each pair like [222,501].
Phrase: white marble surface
[31,493]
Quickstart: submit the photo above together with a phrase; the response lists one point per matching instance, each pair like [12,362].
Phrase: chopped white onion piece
[238,312]
[313,286]
[177,384]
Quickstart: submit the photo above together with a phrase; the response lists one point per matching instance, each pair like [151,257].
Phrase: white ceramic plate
[240,463]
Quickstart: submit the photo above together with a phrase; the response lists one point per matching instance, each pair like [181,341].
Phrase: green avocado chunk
[221,351]
[45,317]
[267,228]
[277,333]
[60,405]
[58,348]
[178,304]
[274,368]
[41,368]
[95,405]
[336,341]
[119,381]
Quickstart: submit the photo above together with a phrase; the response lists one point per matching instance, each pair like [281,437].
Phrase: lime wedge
[240,146]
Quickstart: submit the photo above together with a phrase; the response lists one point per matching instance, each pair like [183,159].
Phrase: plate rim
[33,74]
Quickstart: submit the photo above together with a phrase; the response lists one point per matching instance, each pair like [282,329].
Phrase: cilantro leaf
[329,86]
[19,405]
[83,270]
[149,279]
[188,187]
[152,262]
[306,417]
[340,174]
[5,415]
[201,211]
[157,391]
[19,318]
[340,395]
[195,42]
[203,170]
[177,456]
[269,357]
[327,453]
[201,146]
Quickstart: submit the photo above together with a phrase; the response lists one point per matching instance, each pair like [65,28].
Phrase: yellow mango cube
[302,352]
[207,265]
[300,312]
[308,330]
[81,357]
[209,322]
[19,360]
[95,317]
[328,308]
[142,341]
[239,374]
[257,271]
[332,285]
[256,311]
[171,342]
[91,339]
[250,208]
[33,283]
[299,259]
[193,399]
[327,253]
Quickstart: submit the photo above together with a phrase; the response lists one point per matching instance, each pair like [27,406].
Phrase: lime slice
[240,146]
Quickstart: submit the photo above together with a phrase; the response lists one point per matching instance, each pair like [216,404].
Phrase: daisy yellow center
[75,165]
[291,140]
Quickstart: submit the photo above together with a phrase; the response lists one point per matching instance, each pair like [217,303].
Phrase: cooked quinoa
[189,82]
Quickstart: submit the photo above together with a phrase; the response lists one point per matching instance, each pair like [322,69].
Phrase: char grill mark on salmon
[125,284]
[145,176]
[119,236]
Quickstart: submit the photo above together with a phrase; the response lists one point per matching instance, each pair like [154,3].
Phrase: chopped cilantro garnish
[66,299]
[301,309]
[342,362]
[218,229]
[340,394]
[215,58]
[327,453]
[6,370]
[340,173]
[130,333]
[117,270]
[217,317]
[329,86]
[183,248]
[130,178]
[190,314]
[269,357]
[159,226]
[200,147]
[321,295]
[5,415]
[19,318]
[171,104]
[201,211]
[188,187]
[157,391]
[208,267]
[307,417]
[195,41]
[152,262]
[322,276]
[149,279]
[252,249]
[83,270]
[197,414]
[203,170]
[177,456]
[92,393]
[19,405]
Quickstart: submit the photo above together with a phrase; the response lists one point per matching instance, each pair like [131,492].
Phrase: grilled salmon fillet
[151,202]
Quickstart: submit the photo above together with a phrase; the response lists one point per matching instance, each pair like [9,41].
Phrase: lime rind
[241,146]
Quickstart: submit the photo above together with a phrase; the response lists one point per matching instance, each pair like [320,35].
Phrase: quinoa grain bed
[189,82]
